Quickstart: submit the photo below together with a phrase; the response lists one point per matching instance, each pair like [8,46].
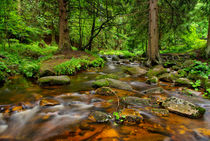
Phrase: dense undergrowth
[76,64]
[23,59]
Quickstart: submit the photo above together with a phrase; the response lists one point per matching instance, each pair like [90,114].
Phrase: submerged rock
[48,102]
[54,80]
[154,90]
[135,71]
[160,112]
[182,82]
[131,100]
[106,91]
[183,107]
[98,116]
[112,83]
[156,71]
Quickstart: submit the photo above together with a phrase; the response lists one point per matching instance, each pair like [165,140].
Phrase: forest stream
[30,112]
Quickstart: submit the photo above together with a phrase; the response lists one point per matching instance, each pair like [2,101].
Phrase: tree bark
[64,40]
[19,7]
[208,41]
[153,49]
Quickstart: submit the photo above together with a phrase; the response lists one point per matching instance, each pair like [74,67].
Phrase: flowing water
[23,119]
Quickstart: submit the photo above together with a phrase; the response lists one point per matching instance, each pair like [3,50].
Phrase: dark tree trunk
[64,40]
[80,26]
[153,49]
[208,41]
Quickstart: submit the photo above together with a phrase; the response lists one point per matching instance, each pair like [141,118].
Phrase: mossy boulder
[46,71]
[183,107]
[106,91]
[129,117]
[100,83]
[112,83]
[132,100]
[113,76]
[168,77]
[188,63]
[54,80]
[135,71]
[99,117]
[156,71]
[155,90]
[119,84]
[152,80]
[183,82]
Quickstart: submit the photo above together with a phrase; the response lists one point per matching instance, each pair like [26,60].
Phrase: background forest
[31,31]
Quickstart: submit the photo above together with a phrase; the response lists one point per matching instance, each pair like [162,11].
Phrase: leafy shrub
[76,64]
[29,69]
[198,68]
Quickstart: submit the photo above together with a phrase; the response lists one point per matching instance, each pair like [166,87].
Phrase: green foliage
[198,68]
[196,85]
[125,53]
[76,64]
[29,69]
[207,93]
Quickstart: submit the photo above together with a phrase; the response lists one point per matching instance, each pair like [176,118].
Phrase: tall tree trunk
[19,7]
[208,41]
[80,26]
[64,40]
[153,49]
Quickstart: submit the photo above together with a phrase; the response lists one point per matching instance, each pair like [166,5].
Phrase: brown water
[23,119]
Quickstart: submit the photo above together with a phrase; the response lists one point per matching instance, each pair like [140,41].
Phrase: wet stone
[130,117]
[54,80]
[183,82]
[98,116]
[135,71]
[160,112]
[155,90]
[183,107]
[106,91]
[131,100]
[48,102]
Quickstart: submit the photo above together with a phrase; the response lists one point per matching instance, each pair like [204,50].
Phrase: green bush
[76,64]
[29,69]
[198,68]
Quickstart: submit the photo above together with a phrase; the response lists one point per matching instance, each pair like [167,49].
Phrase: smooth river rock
[183,107]
[54,80]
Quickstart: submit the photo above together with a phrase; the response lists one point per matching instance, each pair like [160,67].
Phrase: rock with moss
[156,90]
[182,73]
[115,58]
[99,117]
[156,71]
[188,63]
[100,83]
[112,83]
[183,82]
[46,71]
[135,71]
[183,107]
[119,84]
[113,76]
[160,112]
[152,80]
[168,77]
[132,100]
[129,117]
[106,91]
[54,80]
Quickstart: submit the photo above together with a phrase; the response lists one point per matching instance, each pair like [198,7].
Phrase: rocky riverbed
[122,101]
